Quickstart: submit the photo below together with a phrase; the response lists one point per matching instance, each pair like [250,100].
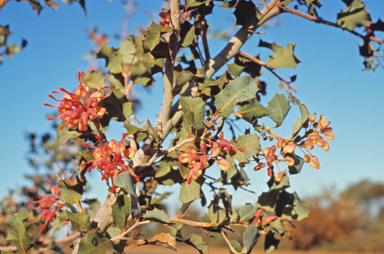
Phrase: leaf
[187,34]
[157,215]
[113,58]
[194,111]
[121,210]
[195,3]
[282,56]
[17,235]
[117,106]
[250,238]
[71,193]
[236,245]
[126,182]
[301,121]
[80,222]
[66,134]
[252,109]
[163,239]
[94,79]
[251,145]
[296,168]
[355,15]
[154,33]
[278,108]
[132,125]
[270,198]
[93,243]
[35,5]
[246,14]
[51,4]
[197,242]
[247,212]
[240,89]
[181,80]
[270,243]
[190,192]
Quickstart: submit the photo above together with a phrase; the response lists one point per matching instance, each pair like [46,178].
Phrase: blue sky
[330,80]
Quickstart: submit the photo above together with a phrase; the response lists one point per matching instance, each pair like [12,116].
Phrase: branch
[229,243]
[121,236]
[328,23]
[191,223]
[165,111]
[265,65]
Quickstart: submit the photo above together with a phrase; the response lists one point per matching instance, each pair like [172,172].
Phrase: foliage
[197,109]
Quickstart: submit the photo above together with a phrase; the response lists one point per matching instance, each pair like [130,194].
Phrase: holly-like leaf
[247,212]
[240,89]
[304,119]
[71,193]
[35,5]
[250,238]
[66,134]
[251,145]
[236,245]
[246,14]
[17,235]
[80,222]
[181,79]
[193,111]
[94,79]
[355,15]
[190,192]
[282,56]
[163,239]
[197,242]
[278,108]
[252,109]
[113,58]
[94,242]
[195,3]
[270,198]
[154,34]
[157,215]
[117,106]
[121,210]
[187,34]
[127,183]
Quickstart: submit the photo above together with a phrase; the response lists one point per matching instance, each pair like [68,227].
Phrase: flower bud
[313,117]
[314,162]
[224,164]
[269,219]
[279,177]
[290,148]
[329,135]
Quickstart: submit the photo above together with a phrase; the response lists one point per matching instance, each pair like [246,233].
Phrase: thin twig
[191,223]
[229,243]
[328,23]
[121,236]
[265,65]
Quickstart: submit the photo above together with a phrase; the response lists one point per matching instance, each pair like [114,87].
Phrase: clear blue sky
[330,81]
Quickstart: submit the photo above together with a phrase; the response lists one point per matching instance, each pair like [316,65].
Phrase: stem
[121,236]
[191,223]
[165,111]
[326,22]
[265,65]
[204,39]
[229,243]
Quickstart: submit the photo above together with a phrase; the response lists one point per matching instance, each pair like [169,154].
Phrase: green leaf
[251,145]
[252,109]
[250,238]
[194,111]
[190,192]
[80,222]
[113,58]
[17,235]
[117,106]
[236,245]
[181,80]
[197,242]
[66,134]
[127,49]
[195,3]
[304,119]
[127,183]
[278,108]
[187,37]
[355,15]
[71,193]
[282,56]
[270,198]
[94,79]
[157,215]
[154,33]
[240,89]
[121,210]
[35,5]
[94,242]
[247,212]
